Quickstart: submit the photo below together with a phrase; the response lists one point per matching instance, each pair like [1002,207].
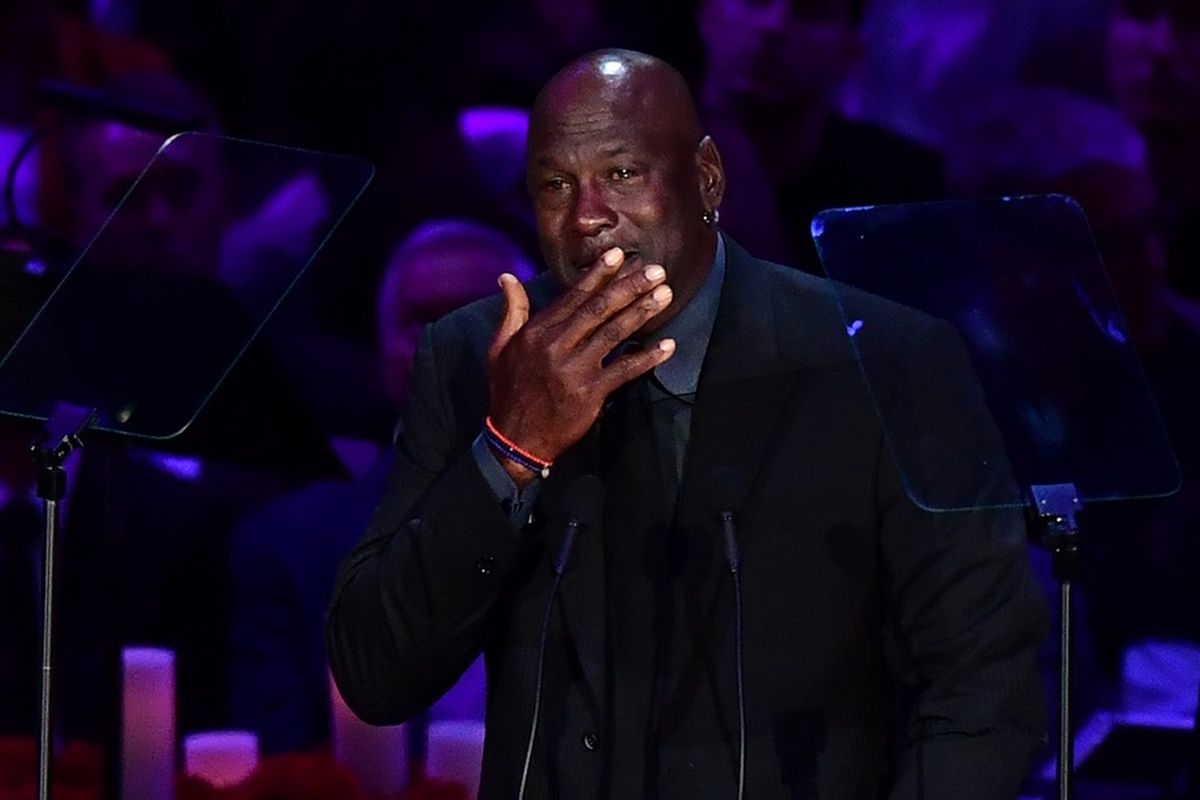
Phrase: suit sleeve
[966,615]
[412,601]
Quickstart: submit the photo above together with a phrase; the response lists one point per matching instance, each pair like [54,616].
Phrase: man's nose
[592,212]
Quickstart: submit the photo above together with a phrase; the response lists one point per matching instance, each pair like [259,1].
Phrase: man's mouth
[587,263]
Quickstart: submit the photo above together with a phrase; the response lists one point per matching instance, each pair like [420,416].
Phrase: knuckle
[643,361]
[633,286]
[611,335]
[573,297]
[596,307]
[553,348]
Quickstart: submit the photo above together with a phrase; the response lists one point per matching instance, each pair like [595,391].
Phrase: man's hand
[548,382]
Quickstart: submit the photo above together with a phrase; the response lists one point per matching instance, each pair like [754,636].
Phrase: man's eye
[622,173]
[554,184]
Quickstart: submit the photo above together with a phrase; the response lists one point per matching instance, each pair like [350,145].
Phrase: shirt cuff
[517,504]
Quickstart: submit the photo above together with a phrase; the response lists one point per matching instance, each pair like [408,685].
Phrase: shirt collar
[691,329]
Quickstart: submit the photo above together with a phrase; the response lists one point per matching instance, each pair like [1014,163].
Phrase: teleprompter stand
[145,326]
[1052,510]
[1029,393]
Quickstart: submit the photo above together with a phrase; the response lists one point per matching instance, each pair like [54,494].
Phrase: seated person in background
[1154,70]
[527,413]
[769,95]
[283,557]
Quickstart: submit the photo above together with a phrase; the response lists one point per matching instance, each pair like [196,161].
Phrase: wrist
[519,475]
[517,460]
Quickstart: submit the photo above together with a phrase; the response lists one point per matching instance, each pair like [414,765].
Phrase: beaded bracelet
[514,452]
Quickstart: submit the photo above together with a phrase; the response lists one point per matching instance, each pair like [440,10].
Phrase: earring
[711,217]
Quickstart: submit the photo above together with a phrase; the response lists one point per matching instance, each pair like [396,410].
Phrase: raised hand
[547,373]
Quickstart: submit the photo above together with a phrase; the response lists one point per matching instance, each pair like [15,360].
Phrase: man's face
[768,52]
[1154,61]
[171,221]
[606,170]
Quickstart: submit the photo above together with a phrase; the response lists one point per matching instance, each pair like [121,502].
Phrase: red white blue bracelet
[514,452]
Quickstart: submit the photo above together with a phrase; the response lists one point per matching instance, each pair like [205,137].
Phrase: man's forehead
[625,137]
[582,105]
[606,124]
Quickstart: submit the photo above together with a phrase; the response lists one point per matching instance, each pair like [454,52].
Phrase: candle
[147,724]
[377,755]
[222,758]
[456,753]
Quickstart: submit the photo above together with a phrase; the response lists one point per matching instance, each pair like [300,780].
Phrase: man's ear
[711,173]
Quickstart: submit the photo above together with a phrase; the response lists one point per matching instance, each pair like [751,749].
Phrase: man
[1154,69]
[742,397]
[774,71]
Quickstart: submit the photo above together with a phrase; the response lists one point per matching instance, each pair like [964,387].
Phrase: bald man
[885,649]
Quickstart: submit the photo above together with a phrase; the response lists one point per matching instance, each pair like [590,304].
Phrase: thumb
[516,314]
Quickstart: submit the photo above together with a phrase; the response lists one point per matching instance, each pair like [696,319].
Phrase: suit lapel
[749,374]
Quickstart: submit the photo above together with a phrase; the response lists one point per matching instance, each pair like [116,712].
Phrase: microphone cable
[732,555]
[586,496]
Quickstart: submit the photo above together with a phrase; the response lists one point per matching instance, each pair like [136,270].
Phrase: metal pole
[1053,508]
[64,427]
[1066,742]
[44,733]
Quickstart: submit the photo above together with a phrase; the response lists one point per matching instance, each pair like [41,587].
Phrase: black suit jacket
[856,602]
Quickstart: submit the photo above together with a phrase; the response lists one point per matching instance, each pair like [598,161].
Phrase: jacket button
[485,565]
[590,740]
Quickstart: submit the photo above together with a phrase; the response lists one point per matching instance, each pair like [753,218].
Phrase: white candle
[455,753]
[377,755]
[222,758]
[148,724]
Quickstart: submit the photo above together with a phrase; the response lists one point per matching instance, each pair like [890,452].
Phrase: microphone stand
[1052,510]
[64,428]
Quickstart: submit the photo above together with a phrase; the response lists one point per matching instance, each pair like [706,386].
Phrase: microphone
[584,500]
[725,489]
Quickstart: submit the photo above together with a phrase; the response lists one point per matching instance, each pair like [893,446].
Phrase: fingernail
[612,256]
[654,272]
[500,279]
[662,294]
[667,345]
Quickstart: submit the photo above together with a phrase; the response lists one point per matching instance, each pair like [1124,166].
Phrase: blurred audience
[52,40]
[928,61]
[1154,70]
[283,557]
[20,560]
[1139,557]
[768,97]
